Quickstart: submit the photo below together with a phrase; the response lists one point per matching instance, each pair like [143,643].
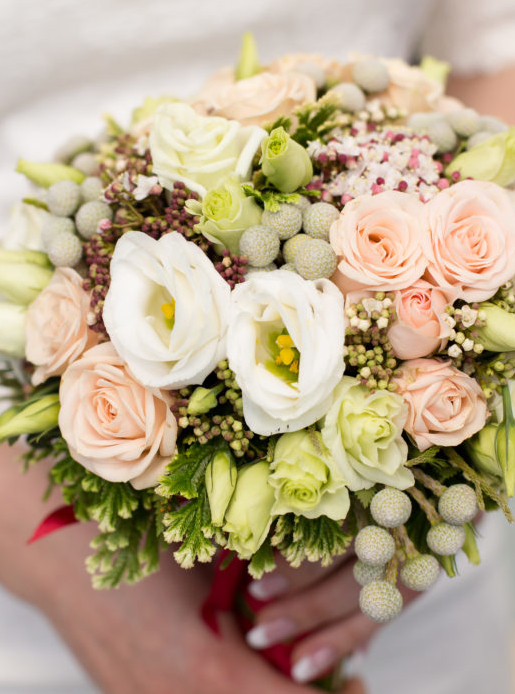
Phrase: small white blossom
[468,345]
[144,185]
[364,325]
[454,351]
[354,321]
[448,320]
[382,323]
[371,305]
[468,316]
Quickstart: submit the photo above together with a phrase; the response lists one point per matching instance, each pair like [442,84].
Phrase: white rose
[199,150]
[166,310]
[24,228]
[285,345]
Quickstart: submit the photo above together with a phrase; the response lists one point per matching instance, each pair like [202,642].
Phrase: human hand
[320,602]
[147,637]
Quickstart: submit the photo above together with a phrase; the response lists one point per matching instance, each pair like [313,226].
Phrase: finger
[323,650]
[285,579]
[254,675]
[354,686]
[333,599]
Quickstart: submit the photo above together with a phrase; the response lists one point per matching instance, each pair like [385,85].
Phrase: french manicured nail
[270,633]
[312,666]
[268,587]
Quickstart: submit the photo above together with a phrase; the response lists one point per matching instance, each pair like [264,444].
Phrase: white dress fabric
[63,64]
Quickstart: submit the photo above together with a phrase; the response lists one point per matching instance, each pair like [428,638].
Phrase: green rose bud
[498,333]
[481,450]
[33,418]
[363,431]
[23,274]
[149,107]
[203,400]
[491,160]
[505,443]
[285,163]
[225,213]
[248,517]
[470,546]
[221,474]
[45,175]
[306,479]
[12,334]
[437,70]
[248,64]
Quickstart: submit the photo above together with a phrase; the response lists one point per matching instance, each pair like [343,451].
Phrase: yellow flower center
[289,355]
[168,311]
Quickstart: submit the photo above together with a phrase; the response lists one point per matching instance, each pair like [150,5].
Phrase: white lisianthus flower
[198,150]
[285,346]
[363,431]
[166,310]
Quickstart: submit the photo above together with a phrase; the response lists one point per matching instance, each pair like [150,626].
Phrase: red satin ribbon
[59,518]
[229,594]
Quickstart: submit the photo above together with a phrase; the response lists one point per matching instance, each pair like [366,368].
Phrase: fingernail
[268,634]
[268,587]
[312,666]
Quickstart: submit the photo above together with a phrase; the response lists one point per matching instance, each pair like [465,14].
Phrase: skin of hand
[148,637]
[490,94]
[320,602]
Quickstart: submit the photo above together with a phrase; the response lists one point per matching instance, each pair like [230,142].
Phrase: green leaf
[318,539]
[191,526]
[184,476]
[365,496]
[263,560]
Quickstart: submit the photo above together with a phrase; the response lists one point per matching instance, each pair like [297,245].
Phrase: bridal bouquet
[278,318]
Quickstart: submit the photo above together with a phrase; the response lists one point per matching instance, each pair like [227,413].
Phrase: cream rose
[166,310]
[56,330]
[363,431]
[200,151]
[419,329]
[285,345]
[472,251]
[380,242]
[115,427]
[445,406]
[262,98]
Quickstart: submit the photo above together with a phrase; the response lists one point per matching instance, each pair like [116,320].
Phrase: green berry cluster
[369,354]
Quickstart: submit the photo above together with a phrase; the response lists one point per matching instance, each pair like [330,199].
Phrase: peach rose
[472,227]
[259,99]
[57,331]
[445,406]
[114,426]
[419,329]
[291,61]
[410,89]
[380,242]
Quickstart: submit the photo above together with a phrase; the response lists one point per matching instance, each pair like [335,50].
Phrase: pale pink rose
[380,241]
[259,99]
[219,80]
[57,331]
[114,426]
[472,227]
[419,329]
[445,406]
